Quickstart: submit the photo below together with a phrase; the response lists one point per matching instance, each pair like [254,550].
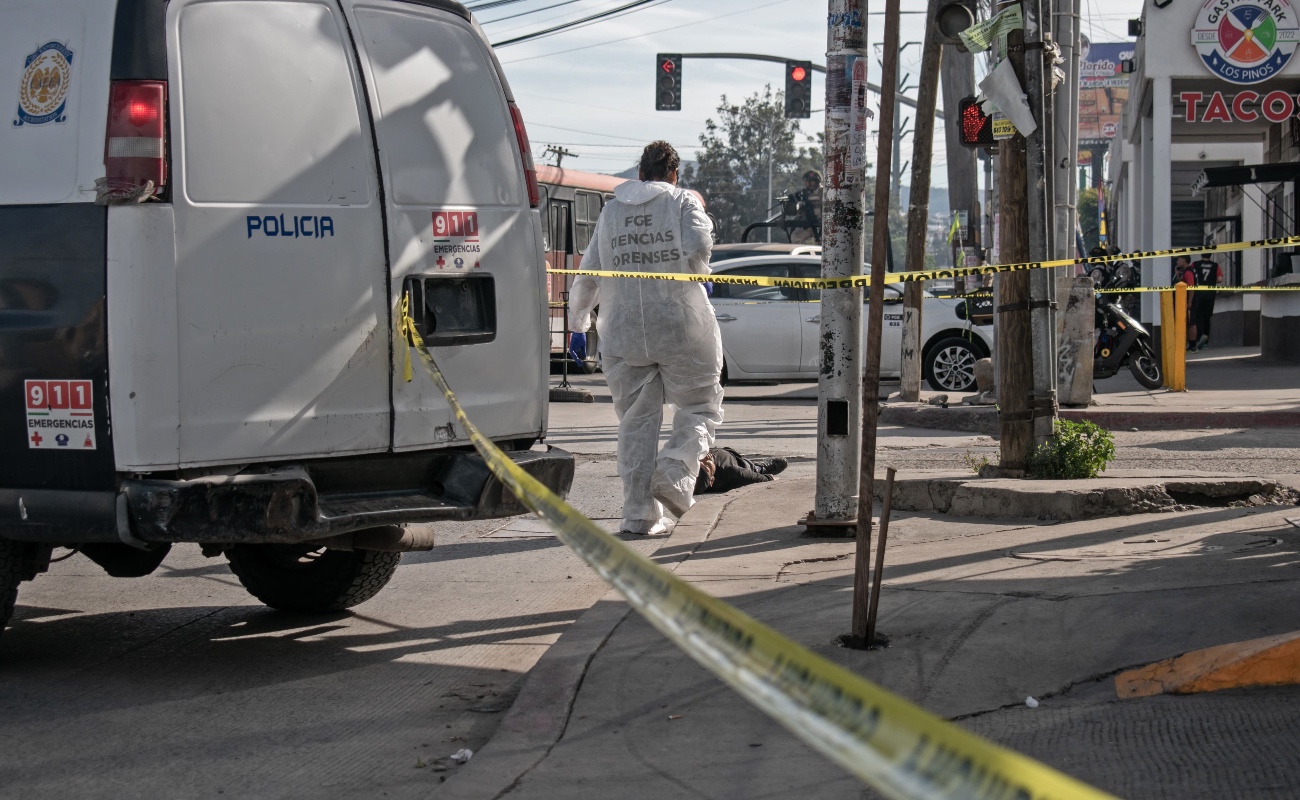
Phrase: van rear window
[270,113]
[443,127]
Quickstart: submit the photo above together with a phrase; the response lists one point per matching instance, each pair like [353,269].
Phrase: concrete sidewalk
[982,613]
[1226,388]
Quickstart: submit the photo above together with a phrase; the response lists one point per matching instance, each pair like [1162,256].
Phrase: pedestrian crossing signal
[976,126]
[798,89]
[668,82]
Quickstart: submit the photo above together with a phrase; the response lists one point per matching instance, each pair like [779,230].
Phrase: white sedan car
[771,332]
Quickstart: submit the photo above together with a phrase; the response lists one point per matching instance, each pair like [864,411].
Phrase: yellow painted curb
[1271,661]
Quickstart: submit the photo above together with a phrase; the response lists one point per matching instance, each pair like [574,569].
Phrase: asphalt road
[181,685]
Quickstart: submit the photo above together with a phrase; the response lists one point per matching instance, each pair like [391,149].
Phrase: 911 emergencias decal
[60,415]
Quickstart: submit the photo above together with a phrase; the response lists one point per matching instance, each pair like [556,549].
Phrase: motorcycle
[1116,275]
[1123,341]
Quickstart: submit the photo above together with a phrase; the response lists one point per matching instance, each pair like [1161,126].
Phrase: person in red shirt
[1184,273]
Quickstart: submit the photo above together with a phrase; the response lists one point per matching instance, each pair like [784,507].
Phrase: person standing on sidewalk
[1208,273]
[659,340]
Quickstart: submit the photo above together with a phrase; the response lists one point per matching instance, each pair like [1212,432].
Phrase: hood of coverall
[638,192]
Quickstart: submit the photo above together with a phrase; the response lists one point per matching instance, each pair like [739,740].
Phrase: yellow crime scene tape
[900,749]
[932,274]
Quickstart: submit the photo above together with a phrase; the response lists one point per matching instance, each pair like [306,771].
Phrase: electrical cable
[647,33]
[531,11]
[597,17]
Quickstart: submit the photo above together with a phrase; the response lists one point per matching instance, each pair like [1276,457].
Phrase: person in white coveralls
[659,341]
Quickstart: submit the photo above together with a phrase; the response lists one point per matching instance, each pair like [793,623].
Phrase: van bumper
[286,504]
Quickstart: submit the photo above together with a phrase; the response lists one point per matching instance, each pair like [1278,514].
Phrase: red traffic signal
[668,82]
[798,89]
[976,126]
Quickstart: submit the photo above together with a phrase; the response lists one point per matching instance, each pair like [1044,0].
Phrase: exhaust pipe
[387,539]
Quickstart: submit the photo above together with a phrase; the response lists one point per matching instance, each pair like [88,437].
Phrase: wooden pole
[1015,364]
[880,556]
[918,211]
[875,314]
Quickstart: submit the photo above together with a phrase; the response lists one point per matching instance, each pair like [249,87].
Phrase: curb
[984,419]
[1271,661]
[965,495]
[540,713]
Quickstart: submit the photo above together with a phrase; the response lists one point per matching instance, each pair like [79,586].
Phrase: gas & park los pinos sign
[1246,41]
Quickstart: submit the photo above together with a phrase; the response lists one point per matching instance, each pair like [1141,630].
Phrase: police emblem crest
[43,94]
[1246,41]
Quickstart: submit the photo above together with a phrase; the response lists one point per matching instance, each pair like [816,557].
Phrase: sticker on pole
[1002,127]
[60,415]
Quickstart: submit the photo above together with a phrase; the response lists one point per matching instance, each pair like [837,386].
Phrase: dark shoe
[770,466]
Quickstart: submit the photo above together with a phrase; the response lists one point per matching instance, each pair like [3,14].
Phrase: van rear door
[461,235]
[281,285]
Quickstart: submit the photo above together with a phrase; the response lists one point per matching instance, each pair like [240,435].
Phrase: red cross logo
[441,262]
[37,438]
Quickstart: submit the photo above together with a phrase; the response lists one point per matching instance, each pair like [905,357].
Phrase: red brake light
[526,153]
[134,147]
[141,112]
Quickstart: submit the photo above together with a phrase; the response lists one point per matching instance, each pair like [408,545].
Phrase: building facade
[1214,84]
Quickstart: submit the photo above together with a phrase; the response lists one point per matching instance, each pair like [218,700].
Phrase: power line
[605,135]
[554,29]
[656,115]
[531,11]
[648,33]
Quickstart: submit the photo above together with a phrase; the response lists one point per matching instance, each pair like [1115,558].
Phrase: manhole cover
[1161,545]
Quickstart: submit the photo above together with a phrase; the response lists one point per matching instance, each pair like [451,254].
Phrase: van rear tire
[306,577]
[11,574]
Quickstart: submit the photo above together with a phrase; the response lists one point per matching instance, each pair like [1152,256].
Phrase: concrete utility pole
[839,370]
[1014,359]
[900,130]
[918,211]
[1042,282]
[1065,118]
[875,314]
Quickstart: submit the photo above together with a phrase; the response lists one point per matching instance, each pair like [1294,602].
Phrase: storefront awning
[1240,176]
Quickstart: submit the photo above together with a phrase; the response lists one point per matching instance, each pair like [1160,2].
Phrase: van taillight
[134,150]
[530,172]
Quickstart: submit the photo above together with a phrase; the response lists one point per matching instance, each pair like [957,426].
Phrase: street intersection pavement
[180,685]
[982,614]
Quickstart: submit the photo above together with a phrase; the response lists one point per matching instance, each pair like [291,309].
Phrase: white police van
[209,213]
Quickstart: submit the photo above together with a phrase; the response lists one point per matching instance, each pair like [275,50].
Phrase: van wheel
[12,573]
[950,365]
[307,577]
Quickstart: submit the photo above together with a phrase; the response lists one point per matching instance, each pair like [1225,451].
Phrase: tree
[1087,205]
[731,169]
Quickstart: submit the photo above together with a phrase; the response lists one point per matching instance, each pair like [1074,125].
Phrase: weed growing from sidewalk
[976,464]
[1076,450]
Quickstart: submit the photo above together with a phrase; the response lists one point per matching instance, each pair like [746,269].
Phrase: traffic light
[798,89]
[668,82]
[976,126]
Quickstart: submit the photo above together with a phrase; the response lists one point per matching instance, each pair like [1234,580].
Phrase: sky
[590,89]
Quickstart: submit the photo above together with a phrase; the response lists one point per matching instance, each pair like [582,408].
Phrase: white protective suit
[659,343]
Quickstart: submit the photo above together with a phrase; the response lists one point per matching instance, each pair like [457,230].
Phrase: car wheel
[11,574]
[307,577]
[950,365]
